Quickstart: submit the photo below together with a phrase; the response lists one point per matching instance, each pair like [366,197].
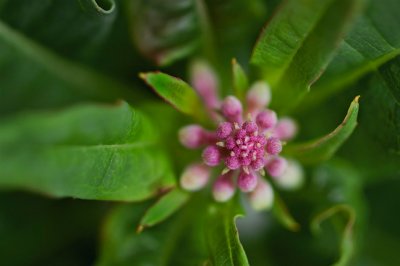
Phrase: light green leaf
[282,214]
[347,245]
[369,44]
[240,81]
[175,91]
[87,152]
[298,43]
[163,208]
[222,235]
[322,149]
[33,77]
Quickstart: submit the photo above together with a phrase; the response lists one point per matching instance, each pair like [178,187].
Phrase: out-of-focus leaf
[165,30]
[381,117]
[88,152]
[298,43]
[347,245]
[369,44]
[282,214]
[322,149]
[178,241]
[33,77]
[33,230]
[240,81]
[175,91]
[163,208]
[222,236]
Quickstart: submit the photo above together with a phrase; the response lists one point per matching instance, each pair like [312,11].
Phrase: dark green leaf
[88,152]
[347,245]
[165,30]
[369,44]
[163,208]
[33,77]
[240,81]
[322,149]
[175,91]
[298,43]
[222,235]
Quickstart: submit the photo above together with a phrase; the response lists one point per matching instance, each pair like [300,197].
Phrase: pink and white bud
[211,155]
[266,119]
[274,146]
[232,109]
[285,129]
[224,130]
[247,182]
[223,189]
[250,127]
[193,136]
[259,96]
[232,162]
[276,166]
[205,82]
[195,177]
[292,178]
[262,197]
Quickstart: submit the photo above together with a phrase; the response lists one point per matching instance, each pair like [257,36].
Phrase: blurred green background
[66,65]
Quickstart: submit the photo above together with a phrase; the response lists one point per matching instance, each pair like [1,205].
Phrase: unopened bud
[195,177]
[205,82]
[258,96]
[247,181]
[274,146]
[223,188]
[293,176]
[266,119]
[211,155]
[285,129]
[232,109]
[276,166]
[192,136]
[262,197]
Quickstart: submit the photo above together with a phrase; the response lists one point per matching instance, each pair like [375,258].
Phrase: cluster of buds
[245,145]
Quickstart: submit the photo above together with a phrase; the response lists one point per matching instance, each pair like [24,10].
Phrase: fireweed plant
[245,142]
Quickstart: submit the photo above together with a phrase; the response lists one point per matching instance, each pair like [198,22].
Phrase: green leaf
[175,91]
[240,81]
[282,214]
[347,243]
[165,30]
[87,152]
[381,117]
[369,44]
[163,208]
[33,77]
[222,235]
[322,149]
[298,43]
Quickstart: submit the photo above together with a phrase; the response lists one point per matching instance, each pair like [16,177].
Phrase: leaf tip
[356,99]
[143,75]
[140,228]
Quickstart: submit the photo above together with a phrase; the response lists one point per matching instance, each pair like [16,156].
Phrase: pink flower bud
[258,96]
[250,127]
[285,129]
[262,197]
[192,136]
[232,162]
[205,82]
[274,146]
[232,109]
[211,155]
[266,119]
[195,177]
[224,130]
[292,178]
[258,164]
[276,166]
[223,188]
[247,182]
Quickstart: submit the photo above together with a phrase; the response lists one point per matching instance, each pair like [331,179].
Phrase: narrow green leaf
[175,91]
[322,149]
[222,235]
[87,152]
[240,81]
[163,208]
[347,245]
[283,215]
[368,45]
[298,43]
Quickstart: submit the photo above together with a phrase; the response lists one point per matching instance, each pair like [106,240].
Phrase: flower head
[245,143]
